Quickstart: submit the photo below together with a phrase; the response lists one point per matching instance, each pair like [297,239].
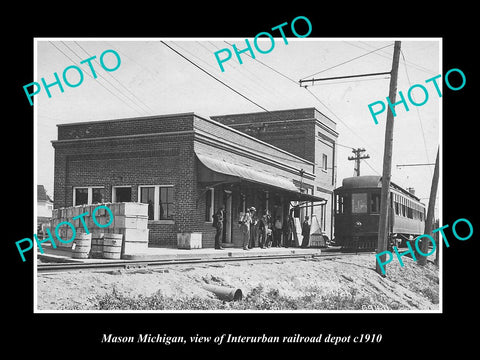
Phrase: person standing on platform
[265,230]
[277,232]
[218,224]
[305,232]
[253,227]
[287,232]
[245,221]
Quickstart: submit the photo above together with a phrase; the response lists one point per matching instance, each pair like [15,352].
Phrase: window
[80,196]
[98,195]
[167,206]
[339,207]
[209,205]
[160,200]
[324,162]
[147,196]
[375,203]
[359,203]
[122,194]
[88,195]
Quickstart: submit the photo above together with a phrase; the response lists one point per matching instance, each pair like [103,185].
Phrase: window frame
[156,203]
[114,196]
[366,203]
[371,202]
[89,194]
[324,162]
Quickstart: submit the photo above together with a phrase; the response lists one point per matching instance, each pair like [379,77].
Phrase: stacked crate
[129,219]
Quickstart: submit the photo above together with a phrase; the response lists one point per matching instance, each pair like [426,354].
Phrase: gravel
[411,287]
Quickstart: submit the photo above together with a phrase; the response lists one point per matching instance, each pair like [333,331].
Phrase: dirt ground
[411,287]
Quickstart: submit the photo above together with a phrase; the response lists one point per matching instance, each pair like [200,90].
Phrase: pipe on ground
[225,293]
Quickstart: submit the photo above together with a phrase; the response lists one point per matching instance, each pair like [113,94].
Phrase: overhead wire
[247,74]
[418,112]
[346,62]
[104,78]
[381,54]
[119,82]
[68,57]
[263,108]
[214,77]
[253,77]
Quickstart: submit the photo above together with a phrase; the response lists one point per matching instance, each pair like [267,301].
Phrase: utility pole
[430,213]
[387,161]
[357,159]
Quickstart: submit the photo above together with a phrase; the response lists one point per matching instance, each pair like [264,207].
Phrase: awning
[244,170]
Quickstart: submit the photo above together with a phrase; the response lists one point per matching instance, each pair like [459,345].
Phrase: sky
[154,80]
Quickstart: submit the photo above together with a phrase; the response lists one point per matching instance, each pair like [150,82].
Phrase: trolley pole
[387,161]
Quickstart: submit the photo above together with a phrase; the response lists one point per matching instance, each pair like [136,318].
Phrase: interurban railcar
[357,213]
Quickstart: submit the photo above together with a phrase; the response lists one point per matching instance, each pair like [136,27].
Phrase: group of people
[262,230]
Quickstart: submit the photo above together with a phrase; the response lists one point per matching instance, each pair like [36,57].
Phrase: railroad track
[150,264]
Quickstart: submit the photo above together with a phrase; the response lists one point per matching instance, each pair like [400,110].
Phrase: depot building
[185,166]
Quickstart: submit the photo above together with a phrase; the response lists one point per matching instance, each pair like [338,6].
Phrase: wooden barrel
[82,246]
[112,246]
[97,246]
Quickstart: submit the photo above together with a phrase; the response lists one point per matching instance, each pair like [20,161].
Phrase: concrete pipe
[225,293]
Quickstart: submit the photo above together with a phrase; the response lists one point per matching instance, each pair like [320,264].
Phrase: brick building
[185,166]
[306,133]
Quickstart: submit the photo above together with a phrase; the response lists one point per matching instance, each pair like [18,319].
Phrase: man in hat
[305,232]
[253,227]
[245,221]
[218,224]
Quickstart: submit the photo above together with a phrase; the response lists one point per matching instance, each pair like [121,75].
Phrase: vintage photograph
[238,175]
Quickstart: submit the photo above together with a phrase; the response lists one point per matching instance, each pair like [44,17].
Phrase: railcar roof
[372,181]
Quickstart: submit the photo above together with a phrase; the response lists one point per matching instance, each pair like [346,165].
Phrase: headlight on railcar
[358,224]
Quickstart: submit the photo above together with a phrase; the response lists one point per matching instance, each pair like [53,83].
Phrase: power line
[338,118]
[119,82]
[99,74]
[375,171]
[416,108]
[251,76]
[212,76]
[345,62]
[68,57]
[409,63]
[271,68]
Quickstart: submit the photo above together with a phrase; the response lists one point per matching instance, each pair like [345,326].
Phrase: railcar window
[409,213]
[359,203]
[339,207]
[375,203]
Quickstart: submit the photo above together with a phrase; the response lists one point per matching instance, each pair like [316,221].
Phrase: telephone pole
[387,161]
[430,213]
[357,159]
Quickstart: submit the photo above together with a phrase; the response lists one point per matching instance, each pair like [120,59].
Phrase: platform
[156,253]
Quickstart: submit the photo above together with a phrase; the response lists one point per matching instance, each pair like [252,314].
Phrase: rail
[144,264]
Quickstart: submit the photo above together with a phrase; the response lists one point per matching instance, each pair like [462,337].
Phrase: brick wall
[133,126]
[103,155]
